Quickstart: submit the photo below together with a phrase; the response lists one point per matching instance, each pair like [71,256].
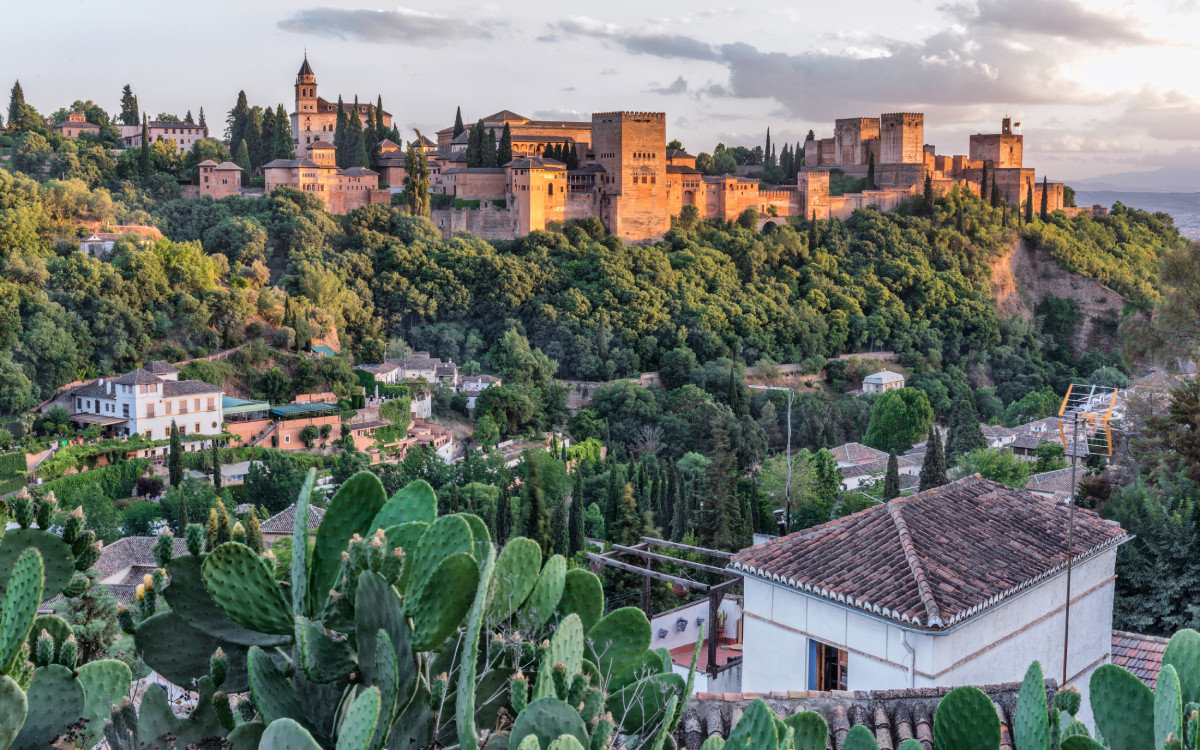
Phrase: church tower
[305,116]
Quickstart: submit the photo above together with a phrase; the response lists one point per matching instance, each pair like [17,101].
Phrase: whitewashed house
[884,380]
[964,584]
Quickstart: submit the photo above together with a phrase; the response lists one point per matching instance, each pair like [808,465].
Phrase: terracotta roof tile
[855,452]
[935,558]
[284,520]
[1140,654]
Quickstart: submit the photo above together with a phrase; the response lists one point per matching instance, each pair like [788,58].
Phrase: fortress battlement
[904,114]
[624,113]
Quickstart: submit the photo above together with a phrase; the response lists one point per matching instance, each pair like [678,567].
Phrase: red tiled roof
[1140,654]
[935,558]
[855,452]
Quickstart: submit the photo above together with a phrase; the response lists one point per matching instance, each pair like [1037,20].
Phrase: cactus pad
[104,682]
[385,677]
[618,640]
[286,734]
[449,535]
[182,654]
[548,719]
[641,707]
[715,742]
[1123,707]
[440,605]
[406,536]
[1183,653]
[479,532]
[966,719]
[245,736]
[378,608]
[55,700]
[566,647]
[564,742]
[359,725]
[859,738]
[270,690]
[1032,728]
[583,595]
[350,512]
[187,596]
[541,602]
[244,587]
[20,606]
[1168,708]
[416,502]
[13,707]
[299,570]
[1080,742]
[322,658]
[752,730]
[810,730]
[465,701]
[514,578]
[57,561]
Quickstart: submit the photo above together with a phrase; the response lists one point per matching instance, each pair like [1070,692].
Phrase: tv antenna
[1085,428]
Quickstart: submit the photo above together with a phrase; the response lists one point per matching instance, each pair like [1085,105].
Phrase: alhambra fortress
[629,179]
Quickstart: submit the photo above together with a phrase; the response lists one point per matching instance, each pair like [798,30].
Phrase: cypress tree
[254,539]
[502,516]
[144,156]
[829,476]
[16,102]
[630,530]
[614,498]
[1045,198]
[370,138]
[959,220]
[928,194]
[129,108]
[239,116]
[283,147]
[933,468]
[267,152]
[339,133]
[202,123]
[475,146]
[679,516]
[995,193]
[983,183]
[575,538]
[1029,202]
[767,148]
[241,157]
[558,527]
[814,234]
[537,516]
[721,503]
[355,141]
[380,130]
[965,433]
[504,152]
[891,481]
[473,500]
[175,459]
[458,122]
[416,178]
[489,149]
[455,506]
[216,462]
[572,158]
[254,139]
[188,118]
[871,172]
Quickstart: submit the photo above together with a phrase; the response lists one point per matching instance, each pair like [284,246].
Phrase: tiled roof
[227,166]
[535,162]
[130,551]
[892,715]
[1140,654]
[447,369]
[879,465]
[323,145]
[855,452]
[415,363]
[161,367]
[935,558]
[1058,480]
[140,376]
[386,143]
[283,522]
[681,169]
[884,376]
[188,387]
[505,114]
[995,431]
[359,171]
[678,153]
[305,68]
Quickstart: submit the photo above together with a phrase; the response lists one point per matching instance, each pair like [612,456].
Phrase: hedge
[115,482]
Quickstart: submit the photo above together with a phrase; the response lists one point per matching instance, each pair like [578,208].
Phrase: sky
[1099,86]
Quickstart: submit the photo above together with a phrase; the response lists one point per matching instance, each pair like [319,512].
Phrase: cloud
[570,115]
[659,45]
[401,26]
[678,86]
[1169,115]
[1064,19]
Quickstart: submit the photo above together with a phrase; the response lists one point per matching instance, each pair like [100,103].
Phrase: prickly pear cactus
[1032,727]
[966,719]
[1123,708]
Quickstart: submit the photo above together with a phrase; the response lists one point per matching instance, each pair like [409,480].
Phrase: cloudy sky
[1099,86]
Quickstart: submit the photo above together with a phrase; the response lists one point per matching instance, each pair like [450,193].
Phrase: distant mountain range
[1175,178]
[1184,208]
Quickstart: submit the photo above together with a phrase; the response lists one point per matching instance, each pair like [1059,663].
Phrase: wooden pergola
[645,550]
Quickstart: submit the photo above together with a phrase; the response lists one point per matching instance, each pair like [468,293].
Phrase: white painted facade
[884,380]
[149,406]
[996,645]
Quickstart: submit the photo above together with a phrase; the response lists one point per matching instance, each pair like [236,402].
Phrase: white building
[146,402]
[960,585]
[884,380]
[419,366]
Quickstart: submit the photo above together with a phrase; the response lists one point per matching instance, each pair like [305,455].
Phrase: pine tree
[175,459]
[339,134]
[933,468]
[871,172]
[238,118]
[254,139]
[356,155]
[891,480]
[575,537]
[283,147]
[630,529]
[16,103]
[536,523]
[416,179]
[188,118]
[241,157]
[1045,198]
[144,156]
[129,110]
[1029,202]
[504,153]
[558,527]
[458,122]
[720,502]
[216,462]
[928,194]
[202,123]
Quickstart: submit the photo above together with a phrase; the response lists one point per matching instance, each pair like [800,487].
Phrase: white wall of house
[421,406]
[195,413]
[997,646]
[675,637]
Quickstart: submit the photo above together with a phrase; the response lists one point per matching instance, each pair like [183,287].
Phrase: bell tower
[306,89]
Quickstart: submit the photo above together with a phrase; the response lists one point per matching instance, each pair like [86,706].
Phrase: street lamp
[787,492]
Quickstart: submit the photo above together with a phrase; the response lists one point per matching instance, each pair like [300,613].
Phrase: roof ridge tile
[932,611]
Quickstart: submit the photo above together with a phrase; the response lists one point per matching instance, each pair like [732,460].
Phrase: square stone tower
[632,149]
[902,138]
[849,136]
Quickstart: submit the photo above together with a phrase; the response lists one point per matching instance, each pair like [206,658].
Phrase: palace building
[315,119]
